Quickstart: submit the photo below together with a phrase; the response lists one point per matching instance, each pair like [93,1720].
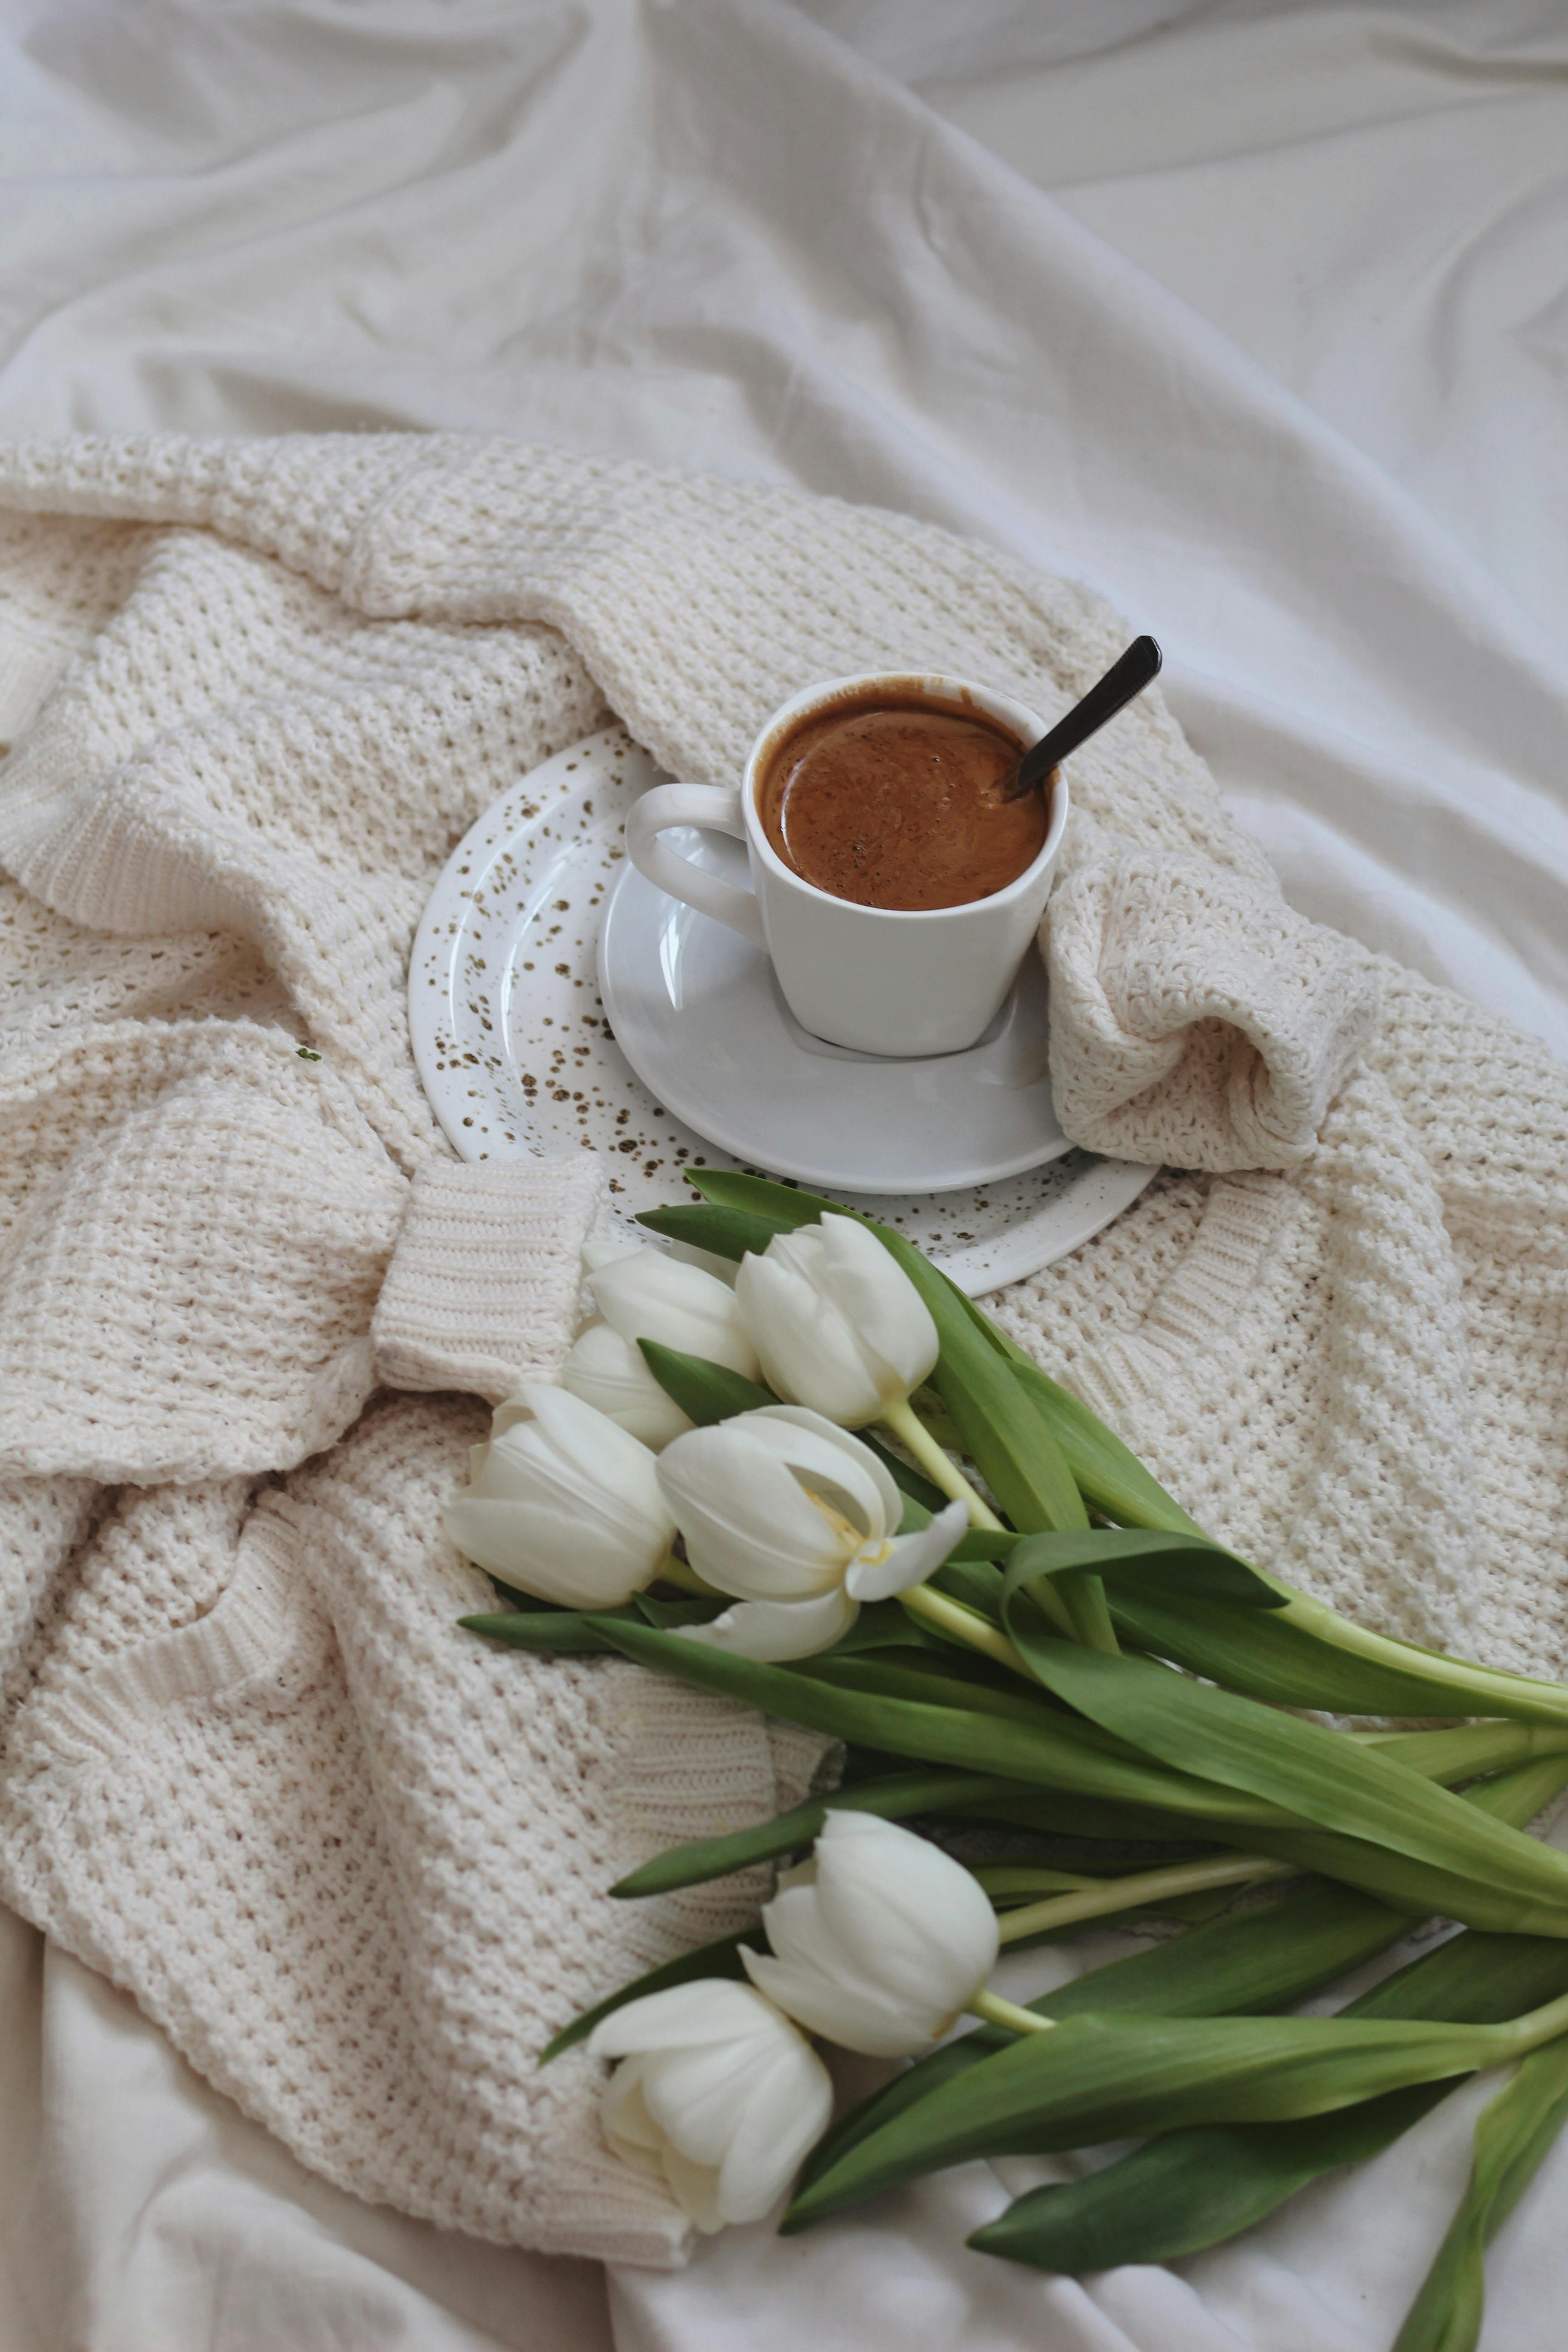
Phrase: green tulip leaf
[1319,1775]
[893,1799]
[1275,1658]
[1191,2189]
[1050,1752]
[928,1684]
[726,1233]
[782,1207]
[555,1633]
[690,1609]
[1513,2137]
[1102,2077]
[1418,1888]
[1267,1657]
[1109,1475]
[1468,1750]
[705,1391]
[721,1958]
[1259,1959]
[1172,1565]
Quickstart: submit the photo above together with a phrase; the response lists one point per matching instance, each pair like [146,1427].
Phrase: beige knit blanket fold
[352,1861]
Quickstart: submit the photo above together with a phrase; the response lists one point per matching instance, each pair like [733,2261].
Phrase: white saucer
[698,1014]
[517,1055]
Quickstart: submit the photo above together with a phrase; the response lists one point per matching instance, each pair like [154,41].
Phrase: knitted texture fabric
[480,1295]
[353,1861]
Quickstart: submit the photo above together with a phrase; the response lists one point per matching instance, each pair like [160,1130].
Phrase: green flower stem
[966,1625]
[905,1425]
[997,2011]
[1495,1692]
[1522,2034]
[1141,1891]
[939,1466]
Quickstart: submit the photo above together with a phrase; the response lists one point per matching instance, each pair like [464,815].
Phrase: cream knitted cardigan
[352,1861]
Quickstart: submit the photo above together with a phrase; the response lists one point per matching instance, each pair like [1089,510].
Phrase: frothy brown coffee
[900,801]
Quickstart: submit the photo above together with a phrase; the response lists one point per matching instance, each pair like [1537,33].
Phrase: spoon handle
[1122,680]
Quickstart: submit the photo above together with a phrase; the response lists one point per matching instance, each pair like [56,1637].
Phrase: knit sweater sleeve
[218,1271]
[1195,1018]
[186,1286]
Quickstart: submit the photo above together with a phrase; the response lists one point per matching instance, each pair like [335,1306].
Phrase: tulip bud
[878,1942]
[645,1294]
[796,1519]
[563,1504]
[718,2093]
[838,1323]
[612,1374]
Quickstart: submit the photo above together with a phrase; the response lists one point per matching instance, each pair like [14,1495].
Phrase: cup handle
[718,807]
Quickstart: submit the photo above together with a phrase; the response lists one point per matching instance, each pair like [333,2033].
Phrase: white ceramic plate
[698,1014]
[518,1055]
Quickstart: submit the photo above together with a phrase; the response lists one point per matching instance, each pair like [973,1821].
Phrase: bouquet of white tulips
[761,1488]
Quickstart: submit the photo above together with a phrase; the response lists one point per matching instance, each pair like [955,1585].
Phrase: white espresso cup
[888,980]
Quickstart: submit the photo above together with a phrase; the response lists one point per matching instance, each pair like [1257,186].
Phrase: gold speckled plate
[517,1055]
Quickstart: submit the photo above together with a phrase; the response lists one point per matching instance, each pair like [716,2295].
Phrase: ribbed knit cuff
[483,1289]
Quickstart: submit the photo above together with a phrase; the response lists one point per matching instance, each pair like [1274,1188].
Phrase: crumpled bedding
[1252,316]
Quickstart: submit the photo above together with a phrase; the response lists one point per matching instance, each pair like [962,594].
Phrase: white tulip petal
[808,1350]
[774,1632]
[694,2098]
[549,1555]
[855,2016]
[610,1513]
[723,1269]
[882,1944]
[844,1458]
[612,1375]
[506,1473]
[646,1295]
[568,1453]
[750,1528]
[910,1914]
[795,1928]
[910,1559]
[881,1304]
[695,2188]
[682,2017]
[718,2090]
[622,1506]
[584,1443]
[846,1982]
[787,2114]
[626,2122]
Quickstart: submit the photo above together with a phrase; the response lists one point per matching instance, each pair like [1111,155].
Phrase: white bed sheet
[1255,317]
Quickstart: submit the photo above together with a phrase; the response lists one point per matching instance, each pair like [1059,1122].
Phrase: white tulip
[879,1941]
[563,1504]
[612,1374]
[795,1518]
[838,1323]
[645,1295]
[718,2093]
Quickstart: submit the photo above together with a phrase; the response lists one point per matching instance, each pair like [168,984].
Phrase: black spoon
[1138,665]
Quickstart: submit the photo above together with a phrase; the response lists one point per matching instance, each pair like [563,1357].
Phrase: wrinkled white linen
[1251,315]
